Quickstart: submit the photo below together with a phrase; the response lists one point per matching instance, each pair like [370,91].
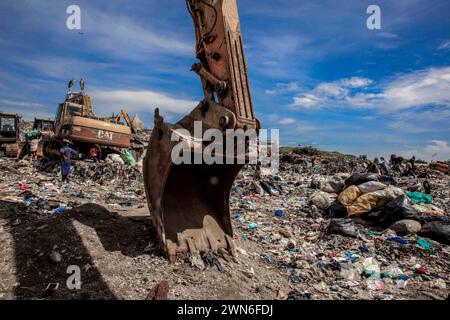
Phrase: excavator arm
[222,65]
[190,202]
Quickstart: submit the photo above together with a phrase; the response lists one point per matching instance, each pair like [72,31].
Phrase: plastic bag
[128,158]
[32,134]
[360,178]
[438,231]
[112,157]
[371,186]
[396,210]
[405,227]
[349,195]
[343,227]
[323,200]
[334,184]
[417,198]
[336,210]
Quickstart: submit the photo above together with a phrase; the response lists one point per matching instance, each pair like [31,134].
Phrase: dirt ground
[119,258]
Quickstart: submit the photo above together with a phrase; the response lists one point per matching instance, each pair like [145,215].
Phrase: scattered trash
[60,210]
[50,290]
[159,291]
[288,231]
[398,239]
[295,295]
[56,257]
[279,213]
[323,200]
[343,227]
[397,210]
[211,259]
[405,227]
[417,198]
[424,244]
[438,231]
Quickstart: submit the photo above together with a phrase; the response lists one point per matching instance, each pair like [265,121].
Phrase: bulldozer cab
[76,104]
[9,127]
[44,125]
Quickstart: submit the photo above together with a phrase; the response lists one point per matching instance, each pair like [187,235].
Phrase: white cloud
[328,92]
[369,118]
[434,151]
[108,101]
[307,101]
[282,88]
[445,45]
[420,88]
[434,120]
[387,35]
[290,126]
[118,35]
[18,103]
[439,149]
[287,121]
[356,82]
[416,89]
[62,68]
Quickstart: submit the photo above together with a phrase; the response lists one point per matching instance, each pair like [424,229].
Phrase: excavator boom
[190,202]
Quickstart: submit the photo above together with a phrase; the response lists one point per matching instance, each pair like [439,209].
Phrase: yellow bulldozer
[76,122]
[9,134]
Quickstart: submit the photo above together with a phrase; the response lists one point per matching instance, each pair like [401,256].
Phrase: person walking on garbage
[66,153]
[34,145]
[26,148]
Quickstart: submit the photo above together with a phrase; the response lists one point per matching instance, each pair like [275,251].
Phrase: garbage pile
[39,188]
[337,232]
[329,228]
[102,173]
[326,164]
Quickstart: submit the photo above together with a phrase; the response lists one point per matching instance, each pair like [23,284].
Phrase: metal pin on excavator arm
[190,203]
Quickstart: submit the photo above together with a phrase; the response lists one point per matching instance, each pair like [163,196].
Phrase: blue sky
[317,73]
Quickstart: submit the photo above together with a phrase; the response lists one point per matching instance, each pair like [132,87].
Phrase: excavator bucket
[190,202]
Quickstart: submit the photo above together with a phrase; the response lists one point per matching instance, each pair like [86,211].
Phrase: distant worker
[397,163]
[34,145]
[413,163]
[258,173]
[411,167]
[66,153]
[25,150]
[95,153]
[384,167]
[373,166]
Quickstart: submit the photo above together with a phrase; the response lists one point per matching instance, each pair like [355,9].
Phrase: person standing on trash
[257,180]
[26,148]
[384,168]
[373,166]
[34,145]
[397,163]
[66,153]
[258,173]
[95,153]
[412,166]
